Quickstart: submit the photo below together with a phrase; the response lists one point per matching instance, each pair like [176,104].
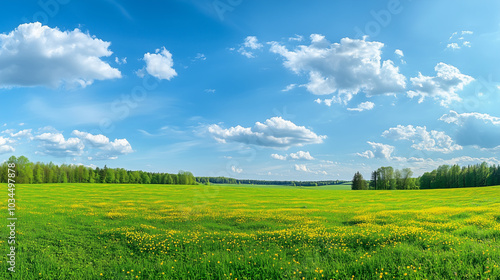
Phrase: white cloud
[343,69]
[475,129]
[106,149]
[200,56]
[443,87]
[121,61]
[210,90]
[95,140]
[304,168]
[250,44]
[434,141]
[159,64]
[25,133]
[97,147]
[461,119]
[4,145]
[366,154]
[236,169]
[279,157]
[297,38]
[326,101]
[301,167]
[379,150]
[55,144]
[274,132]
[401,55]
[37,55]
[363,106]
[289,87]
[458,41]
[300,155]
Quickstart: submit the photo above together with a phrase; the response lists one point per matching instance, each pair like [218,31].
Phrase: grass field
[85,231]
[344,186]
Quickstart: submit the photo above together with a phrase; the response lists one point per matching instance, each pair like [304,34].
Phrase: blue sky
[251,89]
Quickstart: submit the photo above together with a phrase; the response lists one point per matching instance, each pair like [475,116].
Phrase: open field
[344,186]
[100,231]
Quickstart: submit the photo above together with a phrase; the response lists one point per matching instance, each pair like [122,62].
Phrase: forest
[39,173]
[445,176]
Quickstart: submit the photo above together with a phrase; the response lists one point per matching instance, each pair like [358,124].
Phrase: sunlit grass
[78,231]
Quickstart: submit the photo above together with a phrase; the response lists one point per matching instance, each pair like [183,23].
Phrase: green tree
[38,174]
[358,183]
[110,175]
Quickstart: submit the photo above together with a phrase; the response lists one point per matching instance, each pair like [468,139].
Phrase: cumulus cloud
[250,44]
[301,167]
[159,64]
[304,168]
[365,106]
[236,169]
[121,61]
[37,55]
[95,146]
[279,157]
[461,119]
[274,132]
[4,145]
[443,87]
[95,140]
[106,149]
[25,133]
[401,55]
[475,129]
[379,150]
[343,69]
[300,155]
[434,141]
[56,145]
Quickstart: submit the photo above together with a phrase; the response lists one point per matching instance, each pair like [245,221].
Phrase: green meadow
[111,231]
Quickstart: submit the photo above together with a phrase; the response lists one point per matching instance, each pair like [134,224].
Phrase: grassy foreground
[86,231]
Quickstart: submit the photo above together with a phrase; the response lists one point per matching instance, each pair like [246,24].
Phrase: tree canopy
[38,173]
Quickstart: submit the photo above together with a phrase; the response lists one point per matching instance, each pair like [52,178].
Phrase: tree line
[445,176]
[387,178]
[38,173]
